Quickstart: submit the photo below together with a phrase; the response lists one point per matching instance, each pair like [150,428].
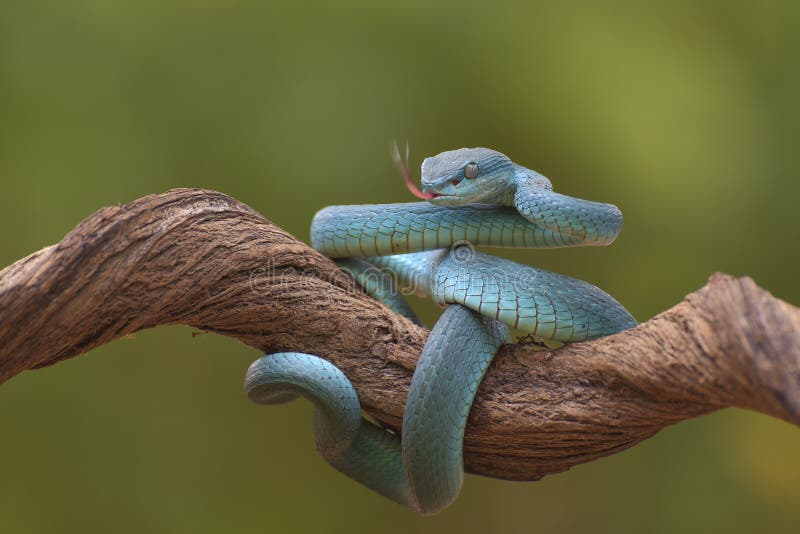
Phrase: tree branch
[201,258]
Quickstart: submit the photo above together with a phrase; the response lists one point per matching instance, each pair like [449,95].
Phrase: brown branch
[201,258]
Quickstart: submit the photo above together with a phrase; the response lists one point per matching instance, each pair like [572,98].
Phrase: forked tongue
[405,170]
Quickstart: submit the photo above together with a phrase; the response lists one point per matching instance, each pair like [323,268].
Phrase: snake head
[467,175]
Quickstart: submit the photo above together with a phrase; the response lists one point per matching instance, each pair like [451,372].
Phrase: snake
[470,197]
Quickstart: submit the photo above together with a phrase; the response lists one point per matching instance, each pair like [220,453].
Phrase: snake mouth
[431,193]
[446,200]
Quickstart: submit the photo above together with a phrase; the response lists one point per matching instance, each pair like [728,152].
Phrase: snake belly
[419,244]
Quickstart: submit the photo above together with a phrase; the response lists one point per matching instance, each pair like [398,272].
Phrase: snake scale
[473,196]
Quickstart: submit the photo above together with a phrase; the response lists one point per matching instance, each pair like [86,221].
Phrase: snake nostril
[455,182]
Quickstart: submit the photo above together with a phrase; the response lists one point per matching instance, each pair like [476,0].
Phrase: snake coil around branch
[201,258]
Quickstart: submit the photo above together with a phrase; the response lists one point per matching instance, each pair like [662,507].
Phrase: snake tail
[347,441]
[424,470]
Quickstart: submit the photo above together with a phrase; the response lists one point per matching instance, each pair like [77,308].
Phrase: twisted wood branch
[201,258]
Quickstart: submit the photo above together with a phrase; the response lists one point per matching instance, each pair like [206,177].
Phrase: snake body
[474,197]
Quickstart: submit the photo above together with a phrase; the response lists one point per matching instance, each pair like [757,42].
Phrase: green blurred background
[683,114]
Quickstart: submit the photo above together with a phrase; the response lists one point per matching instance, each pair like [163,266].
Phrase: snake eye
[471,170]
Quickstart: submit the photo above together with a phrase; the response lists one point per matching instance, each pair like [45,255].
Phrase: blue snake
[474,196]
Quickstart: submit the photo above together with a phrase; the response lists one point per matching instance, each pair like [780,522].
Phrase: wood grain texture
[201,258]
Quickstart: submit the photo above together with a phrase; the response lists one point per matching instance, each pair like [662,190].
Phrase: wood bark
[201,258]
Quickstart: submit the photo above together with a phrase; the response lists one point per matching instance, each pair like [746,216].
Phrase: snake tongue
[405,171]
[415,190]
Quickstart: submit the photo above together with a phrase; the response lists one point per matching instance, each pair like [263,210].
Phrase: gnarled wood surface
[203,259]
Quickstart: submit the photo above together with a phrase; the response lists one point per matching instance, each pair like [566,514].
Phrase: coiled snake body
[474,196]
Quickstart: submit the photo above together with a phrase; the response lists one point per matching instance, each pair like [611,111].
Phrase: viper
[472,197]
